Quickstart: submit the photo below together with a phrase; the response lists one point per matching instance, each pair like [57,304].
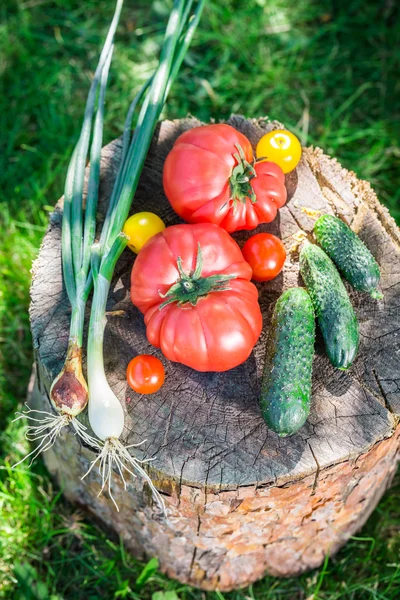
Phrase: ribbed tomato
[210,176]
[193,286]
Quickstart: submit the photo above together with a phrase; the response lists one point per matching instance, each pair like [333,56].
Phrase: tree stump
[242,502]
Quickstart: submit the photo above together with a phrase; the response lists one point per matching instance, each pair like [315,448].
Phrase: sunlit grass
[329,71]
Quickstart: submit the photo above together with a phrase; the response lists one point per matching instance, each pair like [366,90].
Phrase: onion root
[46,428]
[115,454]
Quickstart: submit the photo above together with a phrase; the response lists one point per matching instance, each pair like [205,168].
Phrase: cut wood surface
[241,501]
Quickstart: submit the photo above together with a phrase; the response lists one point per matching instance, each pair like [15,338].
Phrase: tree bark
[241,501]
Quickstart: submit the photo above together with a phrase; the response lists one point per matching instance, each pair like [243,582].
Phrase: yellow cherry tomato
[140,228]
[281,147]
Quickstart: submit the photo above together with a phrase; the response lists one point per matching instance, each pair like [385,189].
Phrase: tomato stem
[190,288]
[240,181]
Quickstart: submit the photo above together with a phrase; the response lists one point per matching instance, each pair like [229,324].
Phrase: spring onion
[88,263]
[69,391]
[106,415]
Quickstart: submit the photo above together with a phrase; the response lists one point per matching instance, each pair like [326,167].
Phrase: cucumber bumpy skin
[286,384]
[349,253]
[333,309]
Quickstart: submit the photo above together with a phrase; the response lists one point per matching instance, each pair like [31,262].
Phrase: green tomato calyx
[190,288]
[240,180]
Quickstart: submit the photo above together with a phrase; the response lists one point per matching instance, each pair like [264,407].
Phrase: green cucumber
[286,384]
[349,253]
[332,305]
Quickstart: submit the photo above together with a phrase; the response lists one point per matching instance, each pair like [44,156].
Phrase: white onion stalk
[106,415]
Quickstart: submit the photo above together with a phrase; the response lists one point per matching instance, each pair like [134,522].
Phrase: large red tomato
[193,286]
[210,176]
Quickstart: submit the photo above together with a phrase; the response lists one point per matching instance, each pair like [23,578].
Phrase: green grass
[328,70]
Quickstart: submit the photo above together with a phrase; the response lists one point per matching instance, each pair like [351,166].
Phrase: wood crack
[314,487]
[384,396]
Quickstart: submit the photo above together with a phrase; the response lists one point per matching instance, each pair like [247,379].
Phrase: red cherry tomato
[266,255]
[145,374]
